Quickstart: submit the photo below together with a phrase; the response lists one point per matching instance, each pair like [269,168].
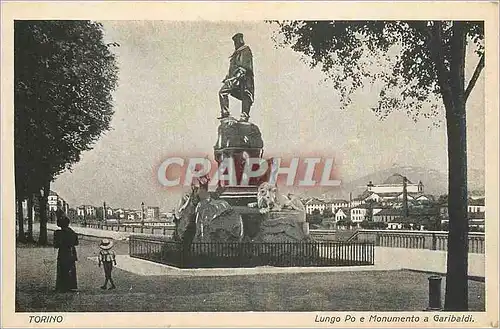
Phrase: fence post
[433,247]
[434,293]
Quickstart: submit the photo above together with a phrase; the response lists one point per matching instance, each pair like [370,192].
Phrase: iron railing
[251,254]
[433,240]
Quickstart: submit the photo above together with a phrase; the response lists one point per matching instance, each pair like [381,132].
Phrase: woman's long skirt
[66,276]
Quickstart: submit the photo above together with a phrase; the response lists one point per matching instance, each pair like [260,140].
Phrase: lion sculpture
[268,199]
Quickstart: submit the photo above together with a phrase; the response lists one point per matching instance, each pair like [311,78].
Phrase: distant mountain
[435,182]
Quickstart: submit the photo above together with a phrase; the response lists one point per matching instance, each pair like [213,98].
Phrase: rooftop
[345,210]
[389,212]
[315,201]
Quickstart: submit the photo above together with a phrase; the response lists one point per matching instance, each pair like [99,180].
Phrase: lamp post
[104,212]
[142,219]
[104,215]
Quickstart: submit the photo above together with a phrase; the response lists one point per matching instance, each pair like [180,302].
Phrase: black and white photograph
[320,167]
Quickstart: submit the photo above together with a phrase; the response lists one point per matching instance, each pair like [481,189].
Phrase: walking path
[144,267]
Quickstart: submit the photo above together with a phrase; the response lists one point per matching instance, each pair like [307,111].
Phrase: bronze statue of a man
[239,81]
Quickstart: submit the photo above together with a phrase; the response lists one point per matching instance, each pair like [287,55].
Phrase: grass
[340,291]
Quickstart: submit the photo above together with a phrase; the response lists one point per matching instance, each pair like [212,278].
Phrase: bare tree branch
[474,78]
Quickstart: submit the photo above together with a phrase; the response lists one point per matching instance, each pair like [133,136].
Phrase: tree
[20,220]
[64,74]
[419,64]
[366,224]
[327,213]
[30,206]
[443,199]
[315,217]
[72,215]
[369,210]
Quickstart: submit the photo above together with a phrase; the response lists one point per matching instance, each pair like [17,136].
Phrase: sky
[167,103]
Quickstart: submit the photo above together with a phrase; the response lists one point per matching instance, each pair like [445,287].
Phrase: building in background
[339,203]
[388,215]
[391,192]
[153,214]
[86,211]
[90,210]
[167,217]
[80,211]
[53,200]
[476,205]
[342,214]
[394,184]
[119,214]
[315,204]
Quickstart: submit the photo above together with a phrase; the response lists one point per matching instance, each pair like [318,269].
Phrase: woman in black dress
[65,240]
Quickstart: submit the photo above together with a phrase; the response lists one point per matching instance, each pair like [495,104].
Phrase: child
[107,258]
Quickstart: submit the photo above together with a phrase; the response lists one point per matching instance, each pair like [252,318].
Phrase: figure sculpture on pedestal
[204,219]
[239,82]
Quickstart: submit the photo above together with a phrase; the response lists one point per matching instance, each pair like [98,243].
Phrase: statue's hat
[237,36]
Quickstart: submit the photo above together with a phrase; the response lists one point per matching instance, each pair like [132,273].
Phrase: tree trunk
[20,219]
[456,274]
[42,239]
[30,218]
[456,296]
[36,198]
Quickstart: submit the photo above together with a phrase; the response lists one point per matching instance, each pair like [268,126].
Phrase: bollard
[434,293]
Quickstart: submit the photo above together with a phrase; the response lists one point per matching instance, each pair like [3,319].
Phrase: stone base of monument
[217,221]
[279,238]
[252,218]
[283,226]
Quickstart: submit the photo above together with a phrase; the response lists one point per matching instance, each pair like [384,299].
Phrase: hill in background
[435,182]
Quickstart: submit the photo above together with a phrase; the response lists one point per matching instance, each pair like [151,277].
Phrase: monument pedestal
[239,196]
[237,142]
[283,226]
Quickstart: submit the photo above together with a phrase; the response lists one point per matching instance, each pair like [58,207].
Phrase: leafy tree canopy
[398,55]
[64,76]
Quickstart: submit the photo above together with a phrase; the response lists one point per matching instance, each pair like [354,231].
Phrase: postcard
[249,164]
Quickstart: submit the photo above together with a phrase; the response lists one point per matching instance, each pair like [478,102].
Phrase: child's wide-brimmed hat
[106,244]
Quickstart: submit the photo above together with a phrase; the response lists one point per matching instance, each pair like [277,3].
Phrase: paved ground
[340,291]
[143,267]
